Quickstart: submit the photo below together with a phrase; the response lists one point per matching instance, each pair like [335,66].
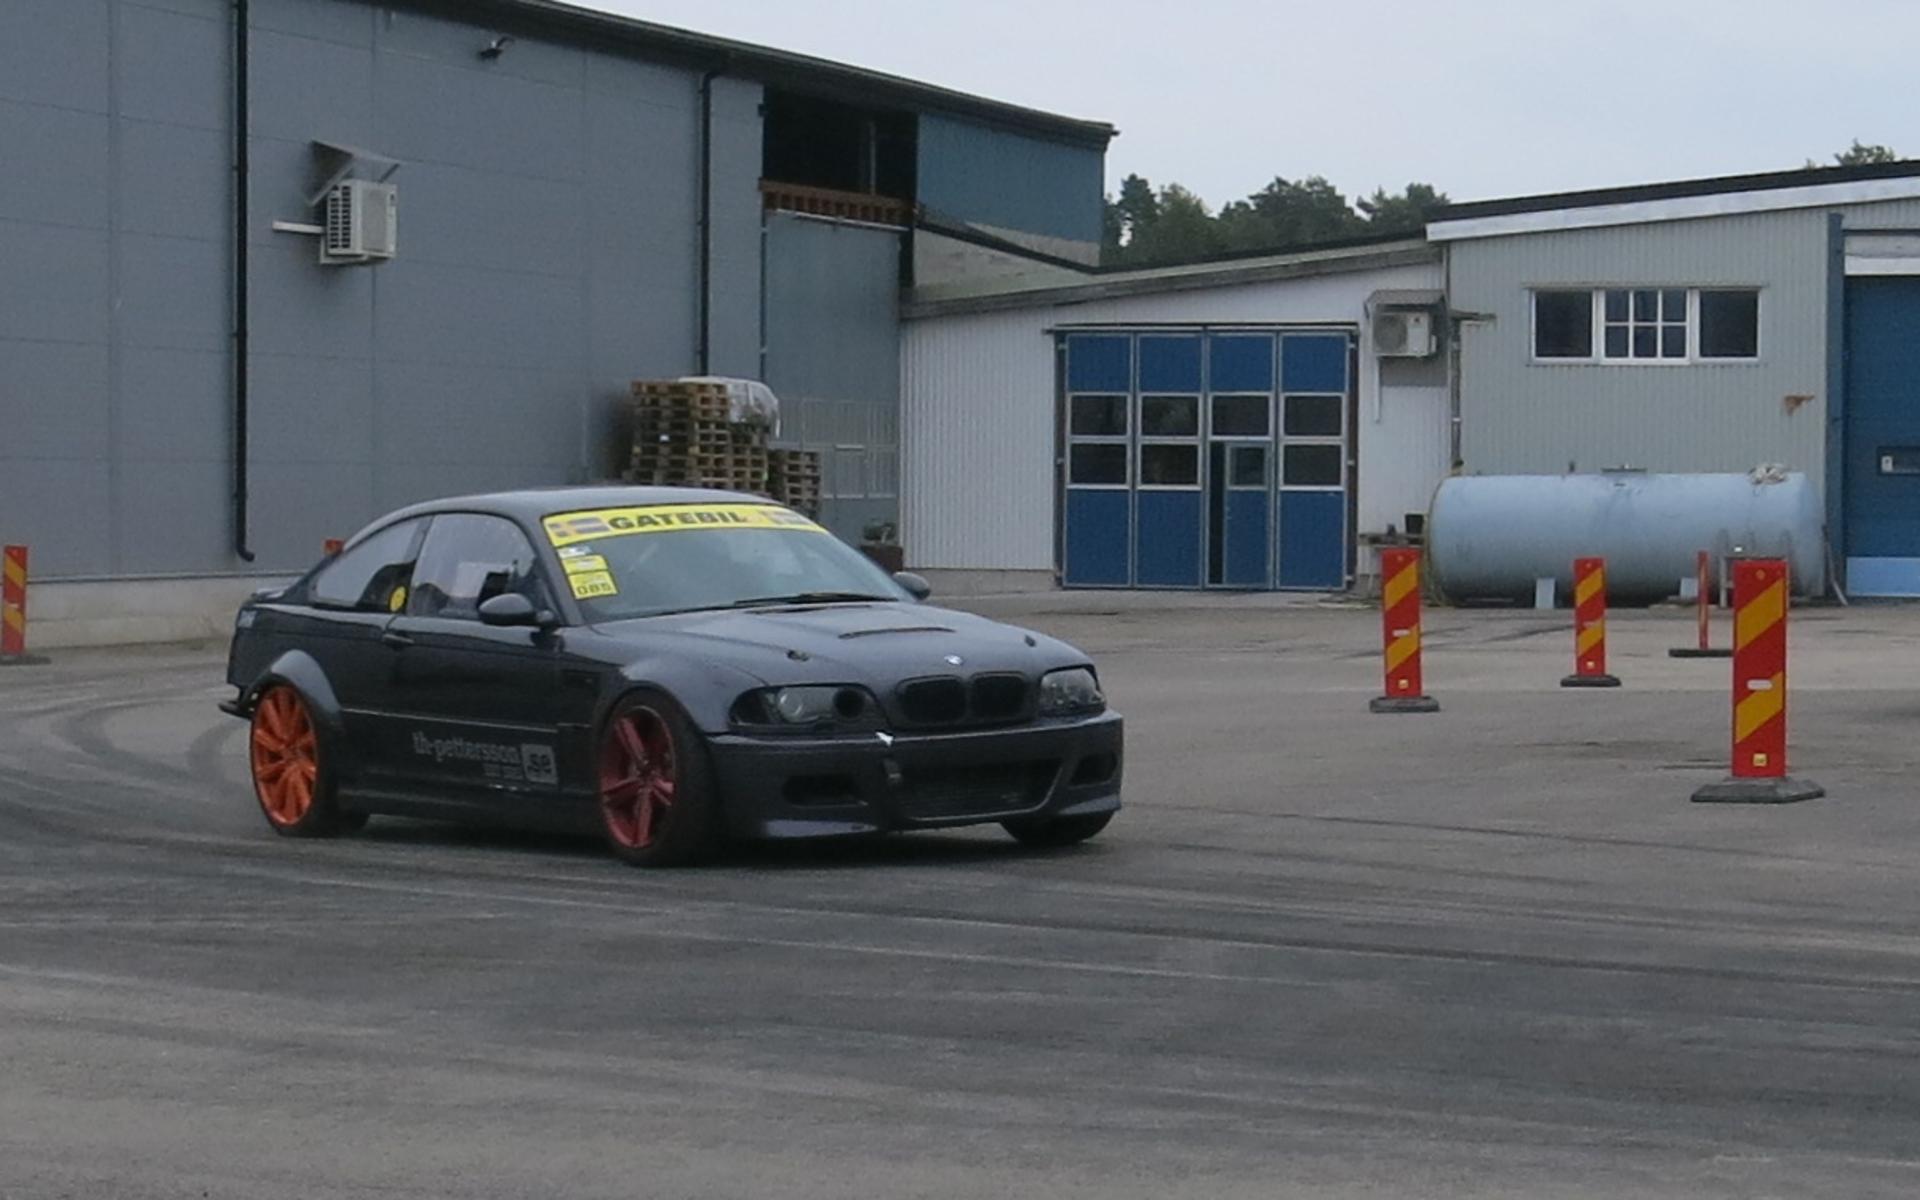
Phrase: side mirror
[916,585]
[513,609]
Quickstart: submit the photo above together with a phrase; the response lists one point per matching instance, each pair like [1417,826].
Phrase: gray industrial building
[1700,326]
[276,266]
[192,395]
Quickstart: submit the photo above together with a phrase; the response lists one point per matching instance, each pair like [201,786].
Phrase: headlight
[1074,690]
[834,706]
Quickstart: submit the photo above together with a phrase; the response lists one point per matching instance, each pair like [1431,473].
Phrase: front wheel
[292,778]
[1047,833]
[657,805]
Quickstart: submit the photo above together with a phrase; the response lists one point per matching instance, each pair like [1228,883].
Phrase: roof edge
[1717,185]
[1403,251]
[763,63]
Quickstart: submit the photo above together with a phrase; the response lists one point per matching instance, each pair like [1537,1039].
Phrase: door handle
[399,641]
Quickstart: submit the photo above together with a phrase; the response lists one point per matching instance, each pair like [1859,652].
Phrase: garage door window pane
[1169,416]
[1729,324]
[1097,464]
[1099,416]
[1314,416]
[1169,466]
[1249,467]
[1311,466]
[1240,416]
[1563,324]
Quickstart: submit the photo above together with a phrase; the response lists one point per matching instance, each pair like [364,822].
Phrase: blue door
[1240,460]
[1206,458]
[1167,508]
[1312,505]
[1099,501]
[1881,488]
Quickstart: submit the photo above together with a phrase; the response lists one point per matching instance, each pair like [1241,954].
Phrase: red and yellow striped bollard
[1400,628]
[13,608]
[1702,614]
[1760,588]
[1590,625]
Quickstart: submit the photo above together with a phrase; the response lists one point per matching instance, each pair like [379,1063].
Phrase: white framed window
[1645,326]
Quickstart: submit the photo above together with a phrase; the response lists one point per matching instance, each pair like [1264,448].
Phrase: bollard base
[1590,681]
[1780,790]
[1697,652]
[23,660]
[1403,704]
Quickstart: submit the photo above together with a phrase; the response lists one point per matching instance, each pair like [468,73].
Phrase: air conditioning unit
[1406,334]
[360,222]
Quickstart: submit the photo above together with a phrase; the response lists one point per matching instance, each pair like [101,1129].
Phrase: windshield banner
[567,529]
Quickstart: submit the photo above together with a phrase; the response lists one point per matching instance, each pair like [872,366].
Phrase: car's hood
[878,642]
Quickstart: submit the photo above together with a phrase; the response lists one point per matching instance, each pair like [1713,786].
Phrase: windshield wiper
[808,598]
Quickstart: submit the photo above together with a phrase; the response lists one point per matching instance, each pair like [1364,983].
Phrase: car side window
[467,560]
[372,576]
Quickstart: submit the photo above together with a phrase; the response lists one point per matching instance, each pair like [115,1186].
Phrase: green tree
[1860,154]
[1181,228]
[1409,211]
[1288,213]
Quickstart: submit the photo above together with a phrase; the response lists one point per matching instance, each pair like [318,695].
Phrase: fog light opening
[1094,768]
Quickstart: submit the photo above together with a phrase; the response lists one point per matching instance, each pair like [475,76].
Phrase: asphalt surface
[1488,952]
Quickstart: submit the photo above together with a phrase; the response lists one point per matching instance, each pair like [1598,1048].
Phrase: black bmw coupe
[668,666]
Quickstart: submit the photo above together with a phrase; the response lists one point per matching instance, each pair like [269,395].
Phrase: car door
[342,623]
[481,706]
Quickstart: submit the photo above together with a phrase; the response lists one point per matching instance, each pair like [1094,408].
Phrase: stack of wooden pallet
[793,478]
[684,435]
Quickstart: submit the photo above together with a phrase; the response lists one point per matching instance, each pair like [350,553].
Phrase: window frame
[1122,440]
[1143,441]
[422,522]
[535,584]
[1598,322]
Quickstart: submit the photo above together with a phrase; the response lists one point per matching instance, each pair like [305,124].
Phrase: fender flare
[299,670]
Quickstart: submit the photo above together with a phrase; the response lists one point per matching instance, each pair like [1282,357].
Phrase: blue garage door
[1882,471]
[1207,459]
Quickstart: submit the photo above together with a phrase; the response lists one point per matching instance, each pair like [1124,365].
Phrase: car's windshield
[646,560]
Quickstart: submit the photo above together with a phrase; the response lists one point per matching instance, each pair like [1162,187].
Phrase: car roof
[531,504]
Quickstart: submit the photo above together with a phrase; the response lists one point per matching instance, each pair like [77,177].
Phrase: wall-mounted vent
[360,219]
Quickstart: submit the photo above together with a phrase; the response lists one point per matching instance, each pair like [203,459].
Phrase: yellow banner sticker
[592,585]
[580,564]
[567,529]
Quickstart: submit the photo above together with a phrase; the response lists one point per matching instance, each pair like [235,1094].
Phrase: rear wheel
[657,806]
[291,776]
[1052,832]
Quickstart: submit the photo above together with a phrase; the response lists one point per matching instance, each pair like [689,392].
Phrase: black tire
[645,832]
[290,760]
[1049,834]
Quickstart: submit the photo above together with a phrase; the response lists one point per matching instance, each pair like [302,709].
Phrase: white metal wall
[978,411]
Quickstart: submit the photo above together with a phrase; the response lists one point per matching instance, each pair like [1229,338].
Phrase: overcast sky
[1482,98]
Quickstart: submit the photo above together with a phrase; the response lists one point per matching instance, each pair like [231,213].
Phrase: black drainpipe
[703,350]
[241,22]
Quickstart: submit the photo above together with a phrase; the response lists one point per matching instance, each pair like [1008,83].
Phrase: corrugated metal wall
[547,257]
[1011,181]
[833,357]
[977,441]
[1527,417]
[978,413]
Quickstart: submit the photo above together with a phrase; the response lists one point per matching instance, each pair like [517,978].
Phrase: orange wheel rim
[639,778]
[285,754]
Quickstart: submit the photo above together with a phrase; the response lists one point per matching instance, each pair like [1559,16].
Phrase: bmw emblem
[954,660]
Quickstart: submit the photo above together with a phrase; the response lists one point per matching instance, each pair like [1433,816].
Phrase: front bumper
[786,787]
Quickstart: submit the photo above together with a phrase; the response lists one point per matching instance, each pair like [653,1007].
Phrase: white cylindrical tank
[1492,536]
